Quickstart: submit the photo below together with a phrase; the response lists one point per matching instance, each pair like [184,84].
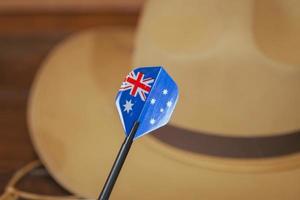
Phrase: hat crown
[236,85]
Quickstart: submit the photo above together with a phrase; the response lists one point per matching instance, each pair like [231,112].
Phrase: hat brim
[76,131]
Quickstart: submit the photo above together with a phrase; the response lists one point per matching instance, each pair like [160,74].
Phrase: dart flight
[148,95]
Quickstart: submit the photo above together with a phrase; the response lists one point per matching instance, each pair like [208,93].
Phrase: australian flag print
[148,95]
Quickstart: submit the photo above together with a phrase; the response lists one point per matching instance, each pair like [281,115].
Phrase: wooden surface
[69,5]
[25,40]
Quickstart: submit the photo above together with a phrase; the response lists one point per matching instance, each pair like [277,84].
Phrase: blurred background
[28,31]
[257,43]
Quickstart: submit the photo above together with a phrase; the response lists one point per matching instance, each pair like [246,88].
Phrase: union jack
[137,84]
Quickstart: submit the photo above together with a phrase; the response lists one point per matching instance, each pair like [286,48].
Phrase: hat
[233,134]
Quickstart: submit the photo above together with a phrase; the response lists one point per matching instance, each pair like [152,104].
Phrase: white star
[128,106]
[165,91]
[161,110]
[169,104]
[152,121]
[153,101]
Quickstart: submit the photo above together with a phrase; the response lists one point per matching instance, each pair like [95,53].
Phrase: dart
[145,102]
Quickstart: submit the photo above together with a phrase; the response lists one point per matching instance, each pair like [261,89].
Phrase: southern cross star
[153,101]
[152,121]
[165,91]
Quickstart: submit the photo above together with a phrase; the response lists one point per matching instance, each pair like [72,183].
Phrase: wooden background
[26,37]
[9,6]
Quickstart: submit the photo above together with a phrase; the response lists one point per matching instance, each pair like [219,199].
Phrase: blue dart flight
[148,95]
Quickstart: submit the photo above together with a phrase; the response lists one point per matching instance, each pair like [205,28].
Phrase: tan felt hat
[232,135]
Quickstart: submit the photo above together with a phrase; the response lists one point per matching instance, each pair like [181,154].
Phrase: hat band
[228,146]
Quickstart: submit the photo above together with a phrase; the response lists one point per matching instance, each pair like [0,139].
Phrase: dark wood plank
[123,6]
